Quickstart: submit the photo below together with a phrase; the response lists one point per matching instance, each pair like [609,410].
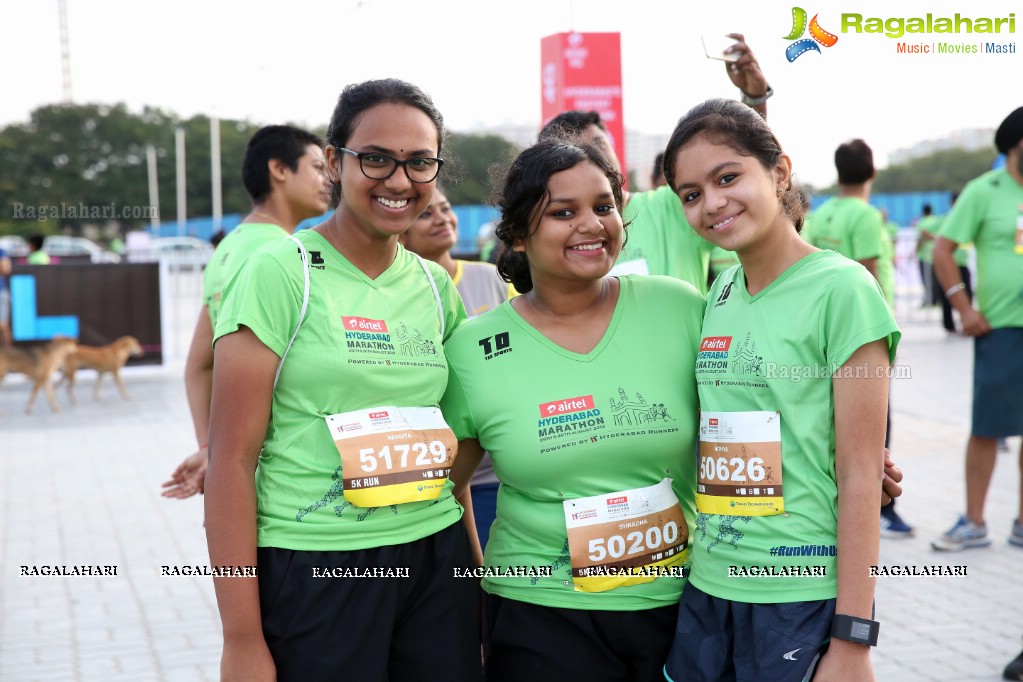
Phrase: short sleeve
[964,220]
[455,406]
[867,235]
[854,315]
[263,297]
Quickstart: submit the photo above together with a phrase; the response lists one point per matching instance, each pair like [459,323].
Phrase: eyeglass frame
[397,162]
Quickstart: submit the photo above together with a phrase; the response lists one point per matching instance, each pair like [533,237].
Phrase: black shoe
[1014,671]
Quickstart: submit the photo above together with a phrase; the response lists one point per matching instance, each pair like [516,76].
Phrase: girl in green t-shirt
[793,398]
[589,421]
[328,454]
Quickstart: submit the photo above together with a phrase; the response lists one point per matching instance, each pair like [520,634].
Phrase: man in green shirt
[36,255]
[283,172]
[989,213]
[926,227]
[660,241]
[850,226]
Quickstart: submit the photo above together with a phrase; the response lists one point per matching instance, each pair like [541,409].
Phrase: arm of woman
[861,395]
[470,454]
[190,476]
[243,376]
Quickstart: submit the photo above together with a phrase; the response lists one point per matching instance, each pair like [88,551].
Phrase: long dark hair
[729,122]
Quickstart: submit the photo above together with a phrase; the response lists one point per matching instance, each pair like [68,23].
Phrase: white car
[15,246]
[63,246]
[182,251]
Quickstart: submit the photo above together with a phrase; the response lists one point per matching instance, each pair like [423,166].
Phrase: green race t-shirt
[364,343]
[886,269]
[961,255]
[660,236]
[770,357]
[925,249]
[849,226]
[230,254]
[561,425]
[987,213]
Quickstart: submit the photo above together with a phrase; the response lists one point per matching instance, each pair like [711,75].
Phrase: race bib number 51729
[392,455]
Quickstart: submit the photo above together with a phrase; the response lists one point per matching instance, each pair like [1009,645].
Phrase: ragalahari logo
[817,35]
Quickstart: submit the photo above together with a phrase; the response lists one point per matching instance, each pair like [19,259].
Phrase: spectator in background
[284,174]
[5,299]
[989,213]
[36,255]
[891,227]
[117,245]
[926,226]
[961,256]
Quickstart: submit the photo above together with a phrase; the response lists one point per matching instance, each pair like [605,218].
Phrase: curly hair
[524,196]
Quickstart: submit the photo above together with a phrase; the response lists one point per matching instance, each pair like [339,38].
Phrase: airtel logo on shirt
[364,324]
[710,343]
[567,405]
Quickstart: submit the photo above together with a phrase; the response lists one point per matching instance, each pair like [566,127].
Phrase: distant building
[640,148]
[970,140]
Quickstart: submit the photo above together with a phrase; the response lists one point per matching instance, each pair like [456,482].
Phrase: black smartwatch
[853,629]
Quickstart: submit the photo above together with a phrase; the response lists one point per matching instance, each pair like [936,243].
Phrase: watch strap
[853,629]
[757,101]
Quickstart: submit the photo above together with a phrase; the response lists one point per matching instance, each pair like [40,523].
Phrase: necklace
[271,219]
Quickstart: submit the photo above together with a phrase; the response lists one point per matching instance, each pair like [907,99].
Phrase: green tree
[95,155]
[946,170]
[943,171]
[473,163]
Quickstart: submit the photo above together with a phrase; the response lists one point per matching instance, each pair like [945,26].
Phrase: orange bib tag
[626,538]
[740,471]
[393,455]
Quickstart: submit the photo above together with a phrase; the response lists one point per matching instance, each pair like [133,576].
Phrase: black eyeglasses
[379,166]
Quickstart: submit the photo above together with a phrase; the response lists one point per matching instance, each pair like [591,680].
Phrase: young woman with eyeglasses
[329,457]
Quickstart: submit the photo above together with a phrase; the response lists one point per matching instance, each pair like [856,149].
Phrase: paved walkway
[82,488]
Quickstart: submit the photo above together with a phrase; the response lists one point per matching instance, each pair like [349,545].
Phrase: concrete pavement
[82,488]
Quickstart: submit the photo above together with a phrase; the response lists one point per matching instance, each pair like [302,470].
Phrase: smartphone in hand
[715,47]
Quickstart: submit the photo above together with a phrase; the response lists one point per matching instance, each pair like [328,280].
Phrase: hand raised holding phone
[740,64]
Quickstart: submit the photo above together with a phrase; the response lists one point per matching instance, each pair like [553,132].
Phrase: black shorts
[719,640]
[419,628]
[997,377]
[524,642]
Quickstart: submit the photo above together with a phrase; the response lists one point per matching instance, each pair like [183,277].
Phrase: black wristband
[853,629]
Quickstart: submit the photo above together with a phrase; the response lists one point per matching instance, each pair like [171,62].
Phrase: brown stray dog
[109,358]
[38,364]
